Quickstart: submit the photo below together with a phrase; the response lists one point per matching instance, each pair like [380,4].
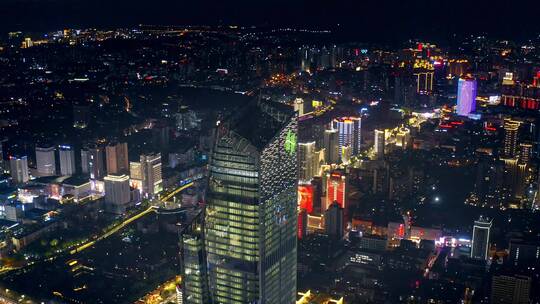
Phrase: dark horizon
[369,21]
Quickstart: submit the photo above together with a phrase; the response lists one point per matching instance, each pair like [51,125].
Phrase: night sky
[357,19]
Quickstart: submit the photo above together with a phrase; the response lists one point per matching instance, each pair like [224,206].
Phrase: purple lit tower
[466,96]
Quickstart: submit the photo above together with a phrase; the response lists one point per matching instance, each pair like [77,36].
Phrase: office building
[480,239]
[349,130]
[117,158]
[331,146]
[45,161]
[117,192]
[466,96]
[378,147]
[510,289]
[152,182]
[18,167]
[251,211]
[66,155]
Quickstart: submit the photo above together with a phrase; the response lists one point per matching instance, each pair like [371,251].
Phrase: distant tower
[480,240]
[45,161]
[66,154]
[466,97]
[379,144]
[18,167]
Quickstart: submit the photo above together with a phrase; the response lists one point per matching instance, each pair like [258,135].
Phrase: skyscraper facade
[466,96]
[66,154]
[251,212]
[45,161]
[480,240]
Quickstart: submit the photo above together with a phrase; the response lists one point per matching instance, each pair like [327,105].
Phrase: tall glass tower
[251,216]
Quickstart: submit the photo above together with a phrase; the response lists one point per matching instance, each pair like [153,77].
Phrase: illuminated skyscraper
[251,211]
[45,161]
[67,160]
[511,129]
[480,239]
[18,167]
[379,143]
[466,96]
[152,182]
[349,129]
[117,158]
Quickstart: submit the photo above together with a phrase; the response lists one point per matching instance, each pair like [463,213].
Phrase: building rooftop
[260,121]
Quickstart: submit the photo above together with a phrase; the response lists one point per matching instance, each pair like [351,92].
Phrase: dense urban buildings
[238,163]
